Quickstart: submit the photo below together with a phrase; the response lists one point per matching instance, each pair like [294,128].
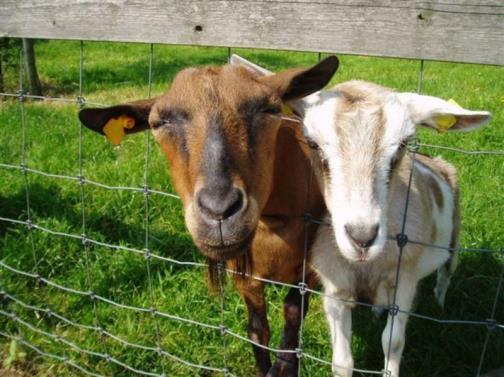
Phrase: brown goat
[242,172]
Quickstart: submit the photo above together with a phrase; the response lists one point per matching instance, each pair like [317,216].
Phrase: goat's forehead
[319,116]
[333,119]
[216,83]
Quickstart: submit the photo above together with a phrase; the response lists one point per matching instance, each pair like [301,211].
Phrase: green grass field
[116,72]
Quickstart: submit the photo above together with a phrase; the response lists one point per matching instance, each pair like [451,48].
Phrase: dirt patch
[16,369]
[12,373]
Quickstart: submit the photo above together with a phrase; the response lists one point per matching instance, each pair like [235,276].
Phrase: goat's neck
[294,189]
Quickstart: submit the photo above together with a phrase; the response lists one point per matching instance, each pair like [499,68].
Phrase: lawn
[117,72]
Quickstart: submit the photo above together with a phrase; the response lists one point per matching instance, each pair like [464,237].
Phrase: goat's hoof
[284,368]
[263,370]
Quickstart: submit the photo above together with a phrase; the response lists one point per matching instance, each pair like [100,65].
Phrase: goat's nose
[361,235]
[220,206]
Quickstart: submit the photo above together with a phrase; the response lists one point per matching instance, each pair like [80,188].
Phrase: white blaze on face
[357,142]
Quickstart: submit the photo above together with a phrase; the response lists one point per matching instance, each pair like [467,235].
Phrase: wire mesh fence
[101,353]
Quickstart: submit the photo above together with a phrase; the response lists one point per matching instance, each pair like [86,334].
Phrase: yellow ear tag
[286,110]
[453,102]
[114,129]
[445,122]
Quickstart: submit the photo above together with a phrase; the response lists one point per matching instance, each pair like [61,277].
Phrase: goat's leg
[393,343]
[258,327]
[286,364]
[339,317]
[444,274]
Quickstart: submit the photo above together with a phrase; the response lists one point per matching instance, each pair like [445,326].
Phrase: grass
[116,72]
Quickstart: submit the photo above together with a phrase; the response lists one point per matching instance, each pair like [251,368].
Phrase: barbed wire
[490,323]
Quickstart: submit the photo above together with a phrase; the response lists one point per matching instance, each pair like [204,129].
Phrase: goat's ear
[258,70]
[442,115]
[297,83]
[115,121]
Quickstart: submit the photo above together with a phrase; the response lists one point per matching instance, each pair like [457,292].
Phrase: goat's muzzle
[223,223]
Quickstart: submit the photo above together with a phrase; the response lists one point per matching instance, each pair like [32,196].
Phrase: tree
[1,64]
[31,67]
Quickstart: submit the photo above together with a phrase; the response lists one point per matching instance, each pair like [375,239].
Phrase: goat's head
[217,127]
[358,133]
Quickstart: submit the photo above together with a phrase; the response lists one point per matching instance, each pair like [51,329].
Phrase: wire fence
[148,255]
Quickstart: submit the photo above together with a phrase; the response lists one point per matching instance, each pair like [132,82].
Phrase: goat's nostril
[218,206]
[361,235]
[234,205]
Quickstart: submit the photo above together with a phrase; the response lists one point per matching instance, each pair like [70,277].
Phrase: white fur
[333,255]
[357,194]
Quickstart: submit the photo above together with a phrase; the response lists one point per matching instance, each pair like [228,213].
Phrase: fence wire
[99,329]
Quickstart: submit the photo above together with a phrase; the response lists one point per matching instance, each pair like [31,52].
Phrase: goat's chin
[225,252]
[358,256]
[225,239]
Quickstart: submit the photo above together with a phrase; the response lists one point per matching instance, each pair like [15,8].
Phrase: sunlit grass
[117,72]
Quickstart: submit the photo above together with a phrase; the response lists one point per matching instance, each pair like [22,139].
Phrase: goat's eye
[398,154]
[271,110]
[402,146]
[158,124]
[171,117]
[313,145]
[325,164]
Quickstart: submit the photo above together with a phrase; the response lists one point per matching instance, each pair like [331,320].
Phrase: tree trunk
[1,74]
[2,52]
[31,66]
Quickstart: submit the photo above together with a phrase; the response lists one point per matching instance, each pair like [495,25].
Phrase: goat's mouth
[225,251]
[356,256]
[361,255]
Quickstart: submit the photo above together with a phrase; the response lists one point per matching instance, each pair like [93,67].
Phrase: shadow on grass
[450,349]
[48,202]
[102,77]
[98,77]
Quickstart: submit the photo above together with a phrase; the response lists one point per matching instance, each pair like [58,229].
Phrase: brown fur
[281,226]
[359,96]
[449,174]
[223,137]
[277,176]
[282,196]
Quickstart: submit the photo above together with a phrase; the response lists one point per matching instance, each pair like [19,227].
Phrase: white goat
[358,132]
